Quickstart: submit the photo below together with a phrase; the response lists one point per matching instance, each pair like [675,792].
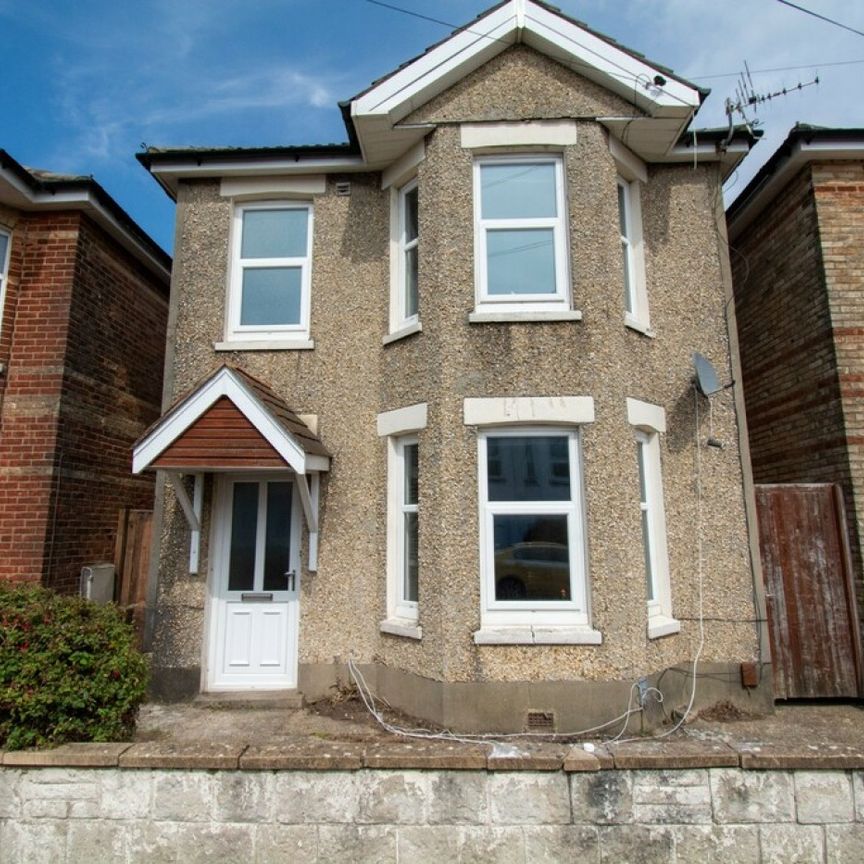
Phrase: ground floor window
[532,527]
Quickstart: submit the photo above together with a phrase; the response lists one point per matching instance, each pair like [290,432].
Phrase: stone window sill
[401,627]
[403,332]
[662,625]
[639,327]
[266,345]
[537,635]
[523,317]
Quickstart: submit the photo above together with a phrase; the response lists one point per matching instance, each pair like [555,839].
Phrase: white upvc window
[650,421]
[409,243]
[532,530]
[271,263]
[632,255]
[403,513]
[520,236]
[5,251]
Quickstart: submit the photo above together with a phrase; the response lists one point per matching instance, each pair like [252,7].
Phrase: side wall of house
[32,349]
[839,191]
[82,342]
[350,377]
[112,388]
[797,272]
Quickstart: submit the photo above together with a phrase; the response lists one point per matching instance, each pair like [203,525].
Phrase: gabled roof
[664,103]
[669,102]
[34,189]
[277,424]
[803,144]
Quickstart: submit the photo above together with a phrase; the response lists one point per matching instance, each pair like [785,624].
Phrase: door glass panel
[277,560]
[244,528]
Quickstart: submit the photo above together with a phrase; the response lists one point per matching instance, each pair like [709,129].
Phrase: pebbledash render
[430,400]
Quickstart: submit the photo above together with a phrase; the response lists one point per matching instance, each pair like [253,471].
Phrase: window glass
[521,261]
[411,221]
[518,191]
[646,527]
[277,561]
[533,468]
[411,471]
[410,553]
[4,246]
[532,557]
[274,233]
[244,528]
[271,295]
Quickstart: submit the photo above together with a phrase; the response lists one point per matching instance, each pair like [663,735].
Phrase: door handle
[292,579]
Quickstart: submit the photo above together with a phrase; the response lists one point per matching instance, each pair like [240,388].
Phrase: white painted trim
[265,345]
[314,496]
[4,273]
[398,607]
[518,635]
[401,627]
[399,320]
[250,188]
[405,167]
[225,383]
[517,317]
[402,333]
[637,287]
[530,133]
[630,166]
[551,410]
[644,415]
[401,421]
[639,327]
[195,537]
[309,512]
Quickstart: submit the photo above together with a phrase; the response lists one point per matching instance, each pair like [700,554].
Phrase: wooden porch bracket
[183,498]
[307,486]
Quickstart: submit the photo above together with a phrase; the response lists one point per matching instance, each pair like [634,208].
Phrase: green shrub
[69,670]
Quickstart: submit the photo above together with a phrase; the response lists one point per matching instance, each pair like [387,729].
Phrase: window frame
[4,272]
[636,314]
[649,422]
[573,612]
[402,318]
[234,330]
[496,303]
[401,607]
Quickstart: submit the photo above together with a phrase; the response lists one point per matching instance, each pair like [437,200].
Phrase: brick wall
[838,189]
[82,341]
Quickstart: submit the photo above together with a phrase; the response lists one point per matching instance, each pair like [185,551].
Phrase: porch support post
[309,501]
[195,539]
[183,499]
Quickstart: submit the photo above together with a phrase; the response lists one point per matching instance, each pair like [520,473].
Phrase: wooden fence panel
[132,562]
[812,618]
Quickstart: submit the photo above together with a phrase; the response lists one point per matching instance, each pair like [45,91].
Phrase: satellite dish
[706,377]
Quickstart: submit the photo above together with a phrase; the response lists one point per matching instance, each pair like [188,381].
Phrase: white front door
[253,612]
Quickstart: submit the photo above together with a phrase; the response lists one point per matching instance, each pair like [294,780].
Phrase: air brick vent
[540,721]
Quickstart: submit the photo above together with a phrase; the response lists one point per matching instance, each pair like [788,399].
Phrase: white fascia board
[528,410]
[25,198]
[644,415]
[618,70]
[801,154]
[185,414]
[432,72]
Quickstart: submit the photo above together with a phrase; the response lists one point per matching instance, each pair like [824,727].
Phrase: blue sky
[87,82]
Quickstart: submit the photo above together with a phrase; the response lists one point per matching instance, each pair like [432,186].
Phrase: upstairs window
[409,241]
[632,255]
[520,234]
[271,272]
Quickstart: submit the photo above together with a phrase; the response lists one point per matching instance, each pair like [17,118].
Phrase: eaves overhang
[23,189]
[170,166]
[664,103]
[803,145]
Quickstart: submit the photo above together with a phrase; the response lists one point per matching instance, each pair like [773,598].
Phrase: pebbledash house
[430,400]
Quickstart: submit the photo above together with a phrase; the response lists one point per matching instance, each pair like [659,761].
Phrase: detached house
[83,311]
[430,400]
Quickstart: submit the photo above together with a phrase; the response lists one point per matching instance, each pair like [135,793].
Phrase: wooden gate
[812,616]
[131,563]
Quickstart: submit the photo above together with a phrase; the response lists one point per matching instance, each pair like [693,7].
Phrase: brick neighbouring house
[797,233]
[84,299]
